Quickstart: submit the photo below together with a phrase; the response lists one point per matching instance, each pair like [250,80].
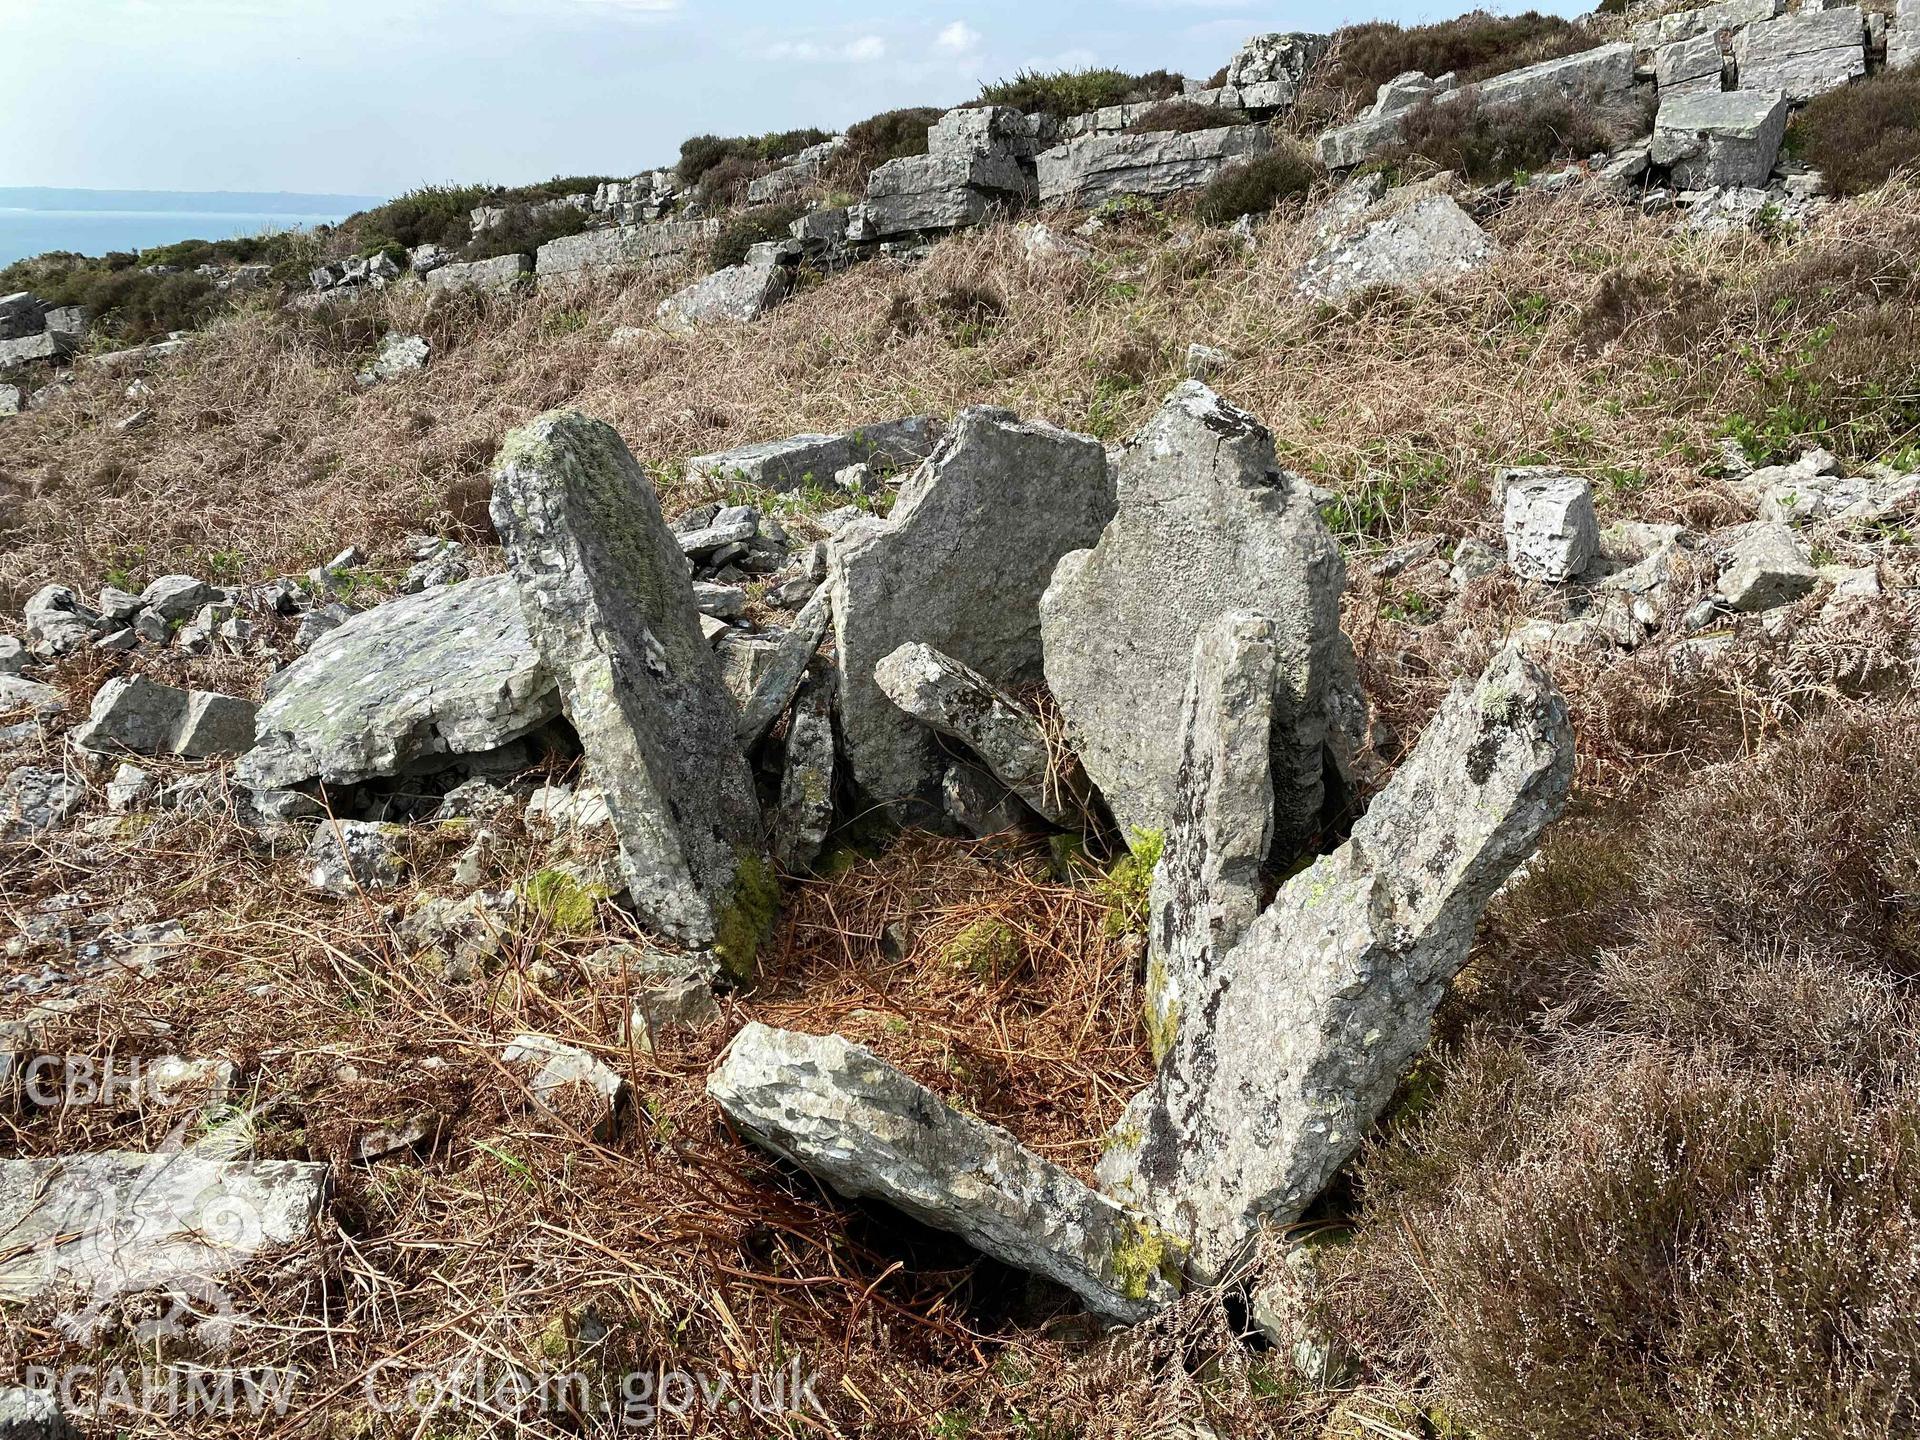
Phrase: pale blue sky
[377,96]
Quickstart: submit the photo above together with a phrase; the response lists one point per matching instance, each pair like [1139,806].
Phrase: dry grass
[1691,1027]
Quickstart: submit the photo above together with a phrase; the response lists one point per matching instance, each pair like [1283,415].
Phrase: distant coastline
[36,219]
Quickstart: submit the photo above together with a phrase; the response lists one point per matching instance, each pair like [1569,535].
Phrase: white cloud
[959,37]
[863,51]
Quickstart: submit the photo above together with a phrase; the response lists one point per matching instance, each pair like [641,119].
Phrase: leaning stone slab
[117,1223]
[404,687]
[1207,524]
[610,608]
[805,813]
[1207,885]
[1096,168]
[1551,529]
[1803,54]
[960,565]
[1716,138]
[1313,1016]
[785,668]
[141,716]
[841,1113]
[500,275]
[622,247]
[801,460]
[735,295]
[959,702]
[1410,247]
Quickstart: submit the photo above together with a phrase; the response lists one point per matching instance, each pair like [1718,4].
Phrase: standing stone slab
[610,608]
[1720,138]
[960,565]
[840,1112]
[1206,888]
[805,815]
[116,1223]
[1207,524]
[408,685]
[959,702]
[1329,995]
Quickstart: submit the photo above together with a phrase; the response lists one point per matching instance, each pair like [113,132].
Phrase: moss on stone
[1162,1016]
[562,899]
[748,916]
[1147,1251]
[1125,887]
[988,948]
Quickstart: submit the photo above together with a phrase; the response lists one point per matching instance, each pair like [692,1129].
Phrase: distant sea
[94,222]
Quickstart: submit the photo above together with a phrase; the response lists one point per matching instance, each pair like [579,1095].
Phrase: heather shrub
[890,135]
[1066,93]
[1184,117]
[1859,135]
[522,231]
[1484,143]
[1253,187]
[737,236]
[701,153]
[1474,46]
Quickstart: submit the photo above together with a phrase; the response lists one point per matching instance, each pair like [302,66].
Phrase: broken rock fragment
[1551,529]
[1315,1013]
[567,1082]
[805,814]
[133,713]
[610,610]
[1207,525]
[840,1112]
[963,704]
[409,685]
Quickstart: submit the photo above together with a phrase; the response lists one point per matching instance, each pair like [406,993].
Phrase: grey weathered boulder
[398,355]
[805,812]
[1720,138]
[1689,66]
[348,856]
[841,1113]
[27,1414]
[1306,1024]
[1408,245]
[406,686]
[567,1082]
[57,622]
[1903,35]
[1764,567]
[1207,524]
[972,169]
[1599,77]
[17,694]
[1707,20]
[118,1223]
[133,713]
[499,275]
[13,655]
[1804,54]
[21,314]
[47,346]
[1551,529]
[1267,72]
[802,460]
[961,703]
[1096,168]
[1206,887]
[734,295]
[34,798]
[610,608]
[960,565]
[620,248]
[775,686]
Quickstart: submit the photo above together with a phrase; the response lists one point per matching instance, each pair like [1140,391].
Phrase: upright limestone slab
[610,607]
[839,1111]
[1207,525]
[1313,1016]
[959,566]
[1206,888]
